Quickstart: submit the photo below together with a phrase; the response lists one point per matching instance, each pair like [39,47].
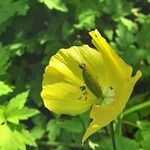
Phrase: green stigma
[91,81]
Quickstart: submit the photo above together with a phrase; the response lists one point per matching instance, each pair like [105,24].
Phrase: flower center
[108,97]
[93,85]
[91,81]
[84,92]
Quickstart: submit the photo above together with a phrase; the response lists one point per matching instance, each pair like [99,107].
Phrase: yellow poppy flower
[66,89]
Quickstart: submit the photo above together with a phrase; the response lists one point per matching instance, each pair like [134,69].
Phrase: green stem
[129,123]
[113,136]
[136,108]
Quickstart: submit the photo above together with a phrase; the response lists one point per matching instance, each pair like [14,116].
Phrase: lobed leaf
[4,88]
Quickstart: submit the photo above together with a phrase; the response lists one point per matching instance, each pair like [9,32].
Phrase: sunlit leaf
[55,4]
[4,88]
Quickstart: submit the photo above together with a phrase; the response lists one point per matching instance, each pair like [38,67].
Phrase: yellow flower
[67,91]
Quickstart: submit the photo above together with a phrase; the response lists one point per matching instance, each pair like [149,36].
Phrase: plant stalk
[137,108]
[113,136]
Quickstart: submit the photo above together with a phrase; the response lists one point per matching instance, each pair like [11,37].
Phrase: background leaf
[4,88]
[55,4]
[31,32]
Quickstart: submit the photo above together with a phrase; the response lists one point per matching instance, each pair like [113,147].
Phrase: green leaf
[146,138]
[143,125]
[55,4]
[38,131]
[145,70]
[116,8]
[143,36]
[4,88]
[15,139]
[9,8]
[137,55]
[40,126]
[132,26]
[15,109]
[109,33]
[4,59]
[17,102]
[17,48]
[67,30]
[20,114]
[125,38]
[122,143]
[24,137]
[86,13]
[74,125]
[54,130]
[143,134]
[2,115]
[6,55]
[7,141]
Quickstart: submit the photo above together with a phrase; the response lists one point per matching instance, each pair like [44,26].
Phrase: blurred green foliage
[30,33]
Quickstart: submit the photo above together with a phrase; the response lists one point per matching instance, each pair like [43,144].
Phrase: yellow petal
[63,80]
[116,67]
[64,98]
[64,66]
[103,115]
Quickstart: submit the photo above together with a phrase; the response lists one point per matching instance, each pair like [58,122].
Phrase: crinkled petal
[64,66]
[103,115]
[116,67]
[64,98]
[63,80]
